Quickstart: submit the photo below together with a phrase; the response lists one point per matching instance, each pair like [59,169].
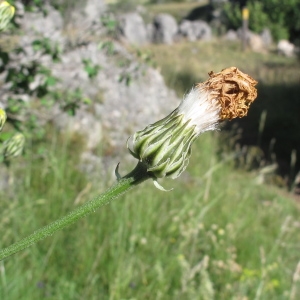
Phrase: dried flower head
[234,91]
[165,146]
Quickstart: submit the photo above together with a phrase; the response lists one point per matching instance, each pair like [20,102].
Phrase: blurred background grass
[217,235]
[222,233]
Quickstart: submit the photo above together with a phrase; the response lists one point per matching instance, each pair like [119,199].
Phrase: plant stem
[138,175]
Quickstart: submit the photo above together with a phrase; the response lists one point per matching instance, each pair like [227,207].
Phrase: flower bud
[7,11]
[165,146]
[2,118]
[14,146]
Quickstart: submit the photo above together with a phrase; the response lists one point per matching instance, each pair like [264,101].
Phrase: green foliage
[46,46]
[90,68]
[107,46]
[126,77]
[71,100]
[281,17]
[110,23]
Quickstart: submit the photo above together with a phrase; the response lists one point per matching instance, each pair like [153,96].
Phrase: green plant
[70,101]
[46,46]
[110,23]
[107,46]
[281,17]
[90,68]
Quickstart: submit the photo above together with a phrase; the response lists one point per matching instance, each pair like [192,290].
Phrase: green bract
[2,118]
[14,146]
[165,146]
[7,11]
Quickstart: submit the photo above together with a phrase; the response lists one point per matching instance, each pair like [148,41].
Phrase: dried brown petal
[233,89]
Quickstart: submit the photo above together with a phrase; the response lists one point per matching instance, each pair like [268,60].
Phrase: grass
[218,235]
[195,59]
[178,10]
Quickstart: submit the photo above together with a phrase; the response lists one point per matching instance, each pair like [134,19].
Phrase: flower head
[7,11]
[3,118]
[165,146]
[14,146]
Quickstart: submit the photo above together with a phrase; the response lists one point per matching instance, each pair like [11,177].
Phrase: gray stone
[165,29]
[84,24]
[256,43]
[231,35]
[266,37]
[48,26]
[83,123]
[132,28]
[124,107]
[195,30]
[186,29]
[94,9]
[286,48]
[202,30]
[19,13]
[92,165]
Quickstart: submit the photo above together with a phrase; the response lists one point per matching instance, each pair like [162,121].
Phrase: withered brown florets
[233,89]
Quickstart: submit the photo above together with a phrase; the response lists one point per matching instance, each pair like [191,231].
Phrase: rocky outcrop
[286,48]
[195,30]
[165,29]
[256,42]
[126,95]
[132,29]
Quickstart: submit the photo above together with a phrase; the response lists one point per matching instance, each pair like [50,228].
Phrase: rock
[133,96]
[91,165]
[256,43]
[47,26]
[132,28]
[19,12]
[195,30]
[297,184]
[150,31]
[85,22]
[231,35]
[202,30]
[84,124]
[94,9]
[286,48]
[266,37]
[165,29]
[186,29]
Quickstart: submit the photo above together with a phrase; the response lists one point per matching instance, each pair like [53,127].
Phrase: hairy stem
[138,175]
